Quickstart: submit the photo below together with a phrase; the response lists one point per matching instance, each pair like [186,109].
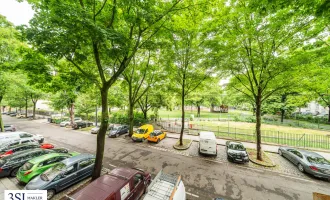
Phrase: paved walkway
[6,184]
[265,147]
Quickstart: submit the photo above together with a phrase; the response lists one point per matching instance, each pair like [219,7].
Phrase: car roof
[308,153]
[105,185]
[231,142]
[22,145]
[46,156]
[77,158]
[23,153]
[207,135]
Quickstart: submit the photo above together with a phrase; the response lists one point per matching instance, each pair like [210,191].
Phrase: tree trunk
[198,110]
[71,112]
[131,119]
[282,115]
[145,114]
[258,125]
[101,134]
[26,106]
[212,107]
[2,128]
[34,109]
[182,116]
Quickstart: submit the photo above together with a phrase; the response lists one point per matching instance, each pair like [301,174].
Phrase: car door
[290,155]
[69,177]
[138,186]
[297,157]
[85,168]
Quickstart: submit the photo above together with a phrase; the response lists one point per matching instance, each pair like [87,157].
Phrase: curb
[184,148]
[269,166]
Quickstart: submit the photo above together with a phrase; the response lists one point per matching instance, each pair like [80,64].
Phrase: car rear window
[317,160]
[27,166]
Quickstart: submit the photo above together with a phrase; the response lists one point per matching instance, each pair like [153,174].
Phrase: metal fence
[267,136]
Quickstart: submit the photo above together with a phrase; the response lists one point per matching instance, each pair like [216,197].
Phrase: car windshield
[140,131]
[238,147]
[27,166]
[51,173]
[115,128]
[317,160]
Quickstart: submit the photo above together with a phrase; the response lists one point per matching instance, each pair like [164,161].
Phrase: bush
[120,118]
[250,119]
[236,118]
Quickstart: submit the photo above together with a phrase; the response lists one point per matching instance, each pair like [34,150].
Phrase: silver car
[306,161]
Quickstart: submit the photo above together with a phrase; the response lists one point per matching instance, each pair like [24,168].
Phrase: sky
[17,13]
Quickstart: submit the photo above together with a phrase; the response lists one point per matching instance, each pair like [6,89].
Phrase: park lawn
[204,114]
[264,127]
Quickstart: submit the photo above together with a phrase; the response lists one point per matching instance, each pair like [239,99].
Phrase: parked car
[67,123]
[207,143]
[166,187]
[236,152]
[82,124]
[64,174]
[18,148]
[20,115]
[142,133]
[156,136]
[119,184]
[116,131]
[12,143]
[6,137]
[13,114]
[307,161]
[95,130]
[9,128]
[9,165]
[38,165]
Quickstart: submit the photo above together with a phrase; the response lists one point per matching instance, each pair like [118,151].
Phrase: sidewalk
[265,147]
[6,184]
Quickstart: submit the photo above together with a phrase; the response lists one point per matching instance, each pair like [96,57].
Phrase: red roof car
[120,183]
[46,146]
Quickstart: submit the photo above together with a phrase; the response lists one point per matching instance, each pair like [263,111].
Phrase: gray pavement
[204,177]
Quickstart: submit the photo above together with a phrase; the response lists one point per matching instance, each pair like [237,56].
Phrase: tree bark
[145,114]
[130,110]
[198,110]
[101,134]
[258,124]
[34,109]
[183,114]
[282,115]
[71,112]
[26,106]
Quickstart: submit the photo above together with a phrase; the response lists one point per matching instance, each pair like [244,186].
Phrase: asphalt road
[204,179]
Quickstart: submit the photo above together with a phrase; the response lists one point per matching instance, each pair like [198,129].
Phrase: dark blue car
[63,175]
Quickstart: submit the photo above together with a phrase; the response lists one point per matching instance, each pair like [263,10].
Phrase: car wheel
[117,135]
[158,140]
[14,172]
[300,167]
[280,152]
[50,194]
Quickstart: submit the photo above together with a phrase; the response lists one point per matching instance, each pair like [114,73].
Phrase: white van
[207,143]
[6,137]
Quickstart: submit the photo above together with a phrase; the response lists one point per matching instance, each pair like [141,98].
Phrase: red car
[22,147]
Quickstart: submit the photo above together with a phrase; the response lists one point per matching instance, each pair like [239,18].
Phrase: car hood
[112,132]
[231,151]
[65,122]
[36,183]
[138,135]
[95,129]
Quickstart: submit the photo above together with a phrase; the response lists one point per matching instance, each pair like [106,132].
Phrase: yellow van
[142,133]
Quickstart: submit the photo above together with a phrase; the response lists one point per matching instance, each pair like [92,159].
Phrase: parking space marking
[194,195]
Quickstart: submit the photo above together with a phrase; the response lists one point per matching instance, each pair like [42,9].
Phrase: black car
[9,165]
[118,130]
[83,124]
[17,148]
[9,113]
[13,114]
[236,152]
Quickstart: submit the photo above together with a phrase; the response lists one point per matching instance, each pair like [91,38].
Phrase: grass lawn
[267,162]
[87,128]
[185,144]
[204,114]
